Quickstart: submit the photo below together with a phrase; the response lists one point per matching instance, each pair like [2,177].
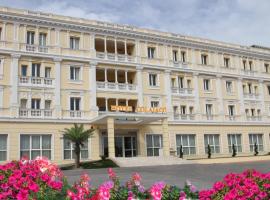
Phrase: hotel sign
[139,109]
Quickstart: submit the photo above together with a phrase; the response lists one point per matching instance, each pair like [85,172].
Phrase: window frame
[188,146]
[238,144]
[6,149]
[251,137]
[71,150]
[151,52]
[74,43]
[214,146]
[72,70]
[151,80]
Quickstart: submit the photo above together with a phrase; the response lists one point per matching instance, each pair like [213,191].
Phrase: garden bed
[106,163]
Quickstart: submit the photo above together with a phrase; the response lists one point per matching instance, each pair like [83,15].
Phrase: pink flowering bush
[250,184]
[30,179]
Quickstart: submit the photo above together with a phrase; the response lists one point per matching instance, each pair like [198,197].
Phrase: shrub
[233,151]
[250,184]
[209,151]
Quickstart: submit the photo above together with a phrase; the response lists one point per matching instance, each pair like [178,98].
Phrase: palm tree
[77,135]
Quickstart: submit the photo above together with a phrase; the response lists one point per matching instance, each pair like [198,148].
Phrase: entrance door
[118,141]
[130,146]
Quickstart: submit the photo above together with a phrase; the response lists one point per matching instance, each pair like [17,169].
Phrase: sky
[244,22]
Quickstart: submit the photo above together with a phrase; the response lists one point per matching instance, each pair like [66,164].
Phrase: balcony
[36,81]
[115,57]
[248,72]
[254,118]
[177,116]
[232,117]
[182,91]
[111,86]
[210,117]
[179,64]
[35,48]
[251,96]
[35,113]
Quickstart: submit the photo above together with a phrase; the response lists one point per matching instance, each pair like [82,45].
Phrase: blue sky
[244,22]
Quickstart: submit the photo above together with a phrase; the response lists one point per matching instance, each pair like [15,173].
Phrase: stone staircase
[150,161]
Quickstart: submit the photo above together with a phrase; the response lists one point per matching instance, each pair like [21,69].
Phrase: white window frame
[229,87]
[46,72]
[71,150]
[74,67]
[204,59]
[40,143]
[74,103]
[37,72]
[231,112]
[2,60]
[6,150]
[160,147]
[214,146]
[37,103]
[254,137]
[30,37]
[42,40]
[175,55]
[151,52]
[207,87]
[187,146]
[183,56]
[227,61]
[74,43]
[209,109]
[237,144]
[150,80]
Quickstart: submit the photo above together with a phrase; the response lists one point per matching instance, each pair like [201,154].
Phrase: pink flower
[111,173]
[218,186]
[156,190]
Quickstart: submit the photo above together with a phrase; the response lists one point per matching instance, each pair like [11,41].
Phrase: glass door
[118,141]
[130,146]
[154,145]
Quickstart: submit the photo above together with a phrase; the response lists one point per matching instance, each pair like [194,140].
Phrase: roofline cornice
[136,35]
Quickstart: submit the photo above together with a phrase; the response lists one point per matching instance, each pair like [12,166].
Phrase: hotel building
[144,92]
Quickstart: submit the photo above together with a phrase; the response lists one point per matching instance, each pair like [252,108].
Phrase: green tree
[77,135]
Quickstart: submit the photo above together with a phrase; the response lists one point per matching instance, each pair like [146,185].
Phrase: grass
[107,163]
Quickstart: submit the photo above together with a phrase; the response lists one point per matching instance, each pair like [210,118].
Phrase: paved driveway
[202,175]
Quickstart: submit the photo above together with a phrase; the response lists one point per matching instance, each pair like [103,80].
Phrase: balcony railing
[178,116]
[35,113]
[116,86]
[36,81]
[251,95]
[182,91]
[179,64]
[248,72]
[36,48]
[254,118]
[115,57]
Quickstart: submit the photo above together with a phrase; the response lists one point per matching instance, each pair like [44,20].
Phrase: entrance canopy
[129,118]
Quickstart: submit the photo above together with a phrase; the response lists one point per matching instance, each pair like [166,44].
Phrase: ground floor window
[35,145]
[255,138]
[3,147]
[213,141]
[236,140]
[187,142]
[154,144]
[69,150]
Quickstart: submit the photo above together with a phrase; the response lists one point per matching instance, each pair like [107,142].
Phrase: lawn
[106,163]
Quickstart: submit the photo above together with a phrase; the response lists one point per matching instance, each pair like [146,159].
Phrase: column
[138,52]
[115,74]
[126,102]
[3,35]
[16,35]
[49,37]
[197,97]
[67,39]
[106,104]
[36,42]
[57,90]
[14,84]
[105,70]
[241,97]
[261,86]
[25,33]
[93,87]
[126,77]
[141,143]
[168,93]
[125,47]
[57,37]
[81,41]
[115,46]
[110,129]
[105,44]
[219,96]
[165,134]
[139,85]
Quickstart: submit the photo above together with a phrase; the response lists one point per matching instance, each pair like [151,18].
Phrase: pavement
[201,175]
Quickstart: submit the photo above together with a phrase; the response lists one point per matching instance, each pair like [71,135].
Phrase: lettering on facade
[139,109]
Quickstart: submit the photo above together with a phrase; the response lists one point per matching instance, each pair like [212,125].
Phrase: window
[188,144]
[175,56]
[258,112]
[213,141]
[252,112]
[268,87]
[175,110]
[181,82]
[266,67]
[35,145]
[23,103]
[42,39]
[74,43]
[231,110]
[249,88]
[153,79]
[30,37]
[47,72]
[229,86]
[250,65]
[3,147]
[208,108]
[154,104]
[24,70]
[48,104]
[154,144]
[189,83]
[204,59]
[35,70]
[255,90]
[183,56]
[247,112]
[75,73]
[173,82]
[151,52]
[206,84]
[191,110]
[244,64]
[255,138]
[183,110]
[236,140]
[35,104]
[1,33]
[69,150]
[75,103]
[227,62]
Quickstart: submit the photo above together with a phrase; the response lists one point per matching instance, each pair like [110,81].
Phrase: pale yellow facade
[57,70]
